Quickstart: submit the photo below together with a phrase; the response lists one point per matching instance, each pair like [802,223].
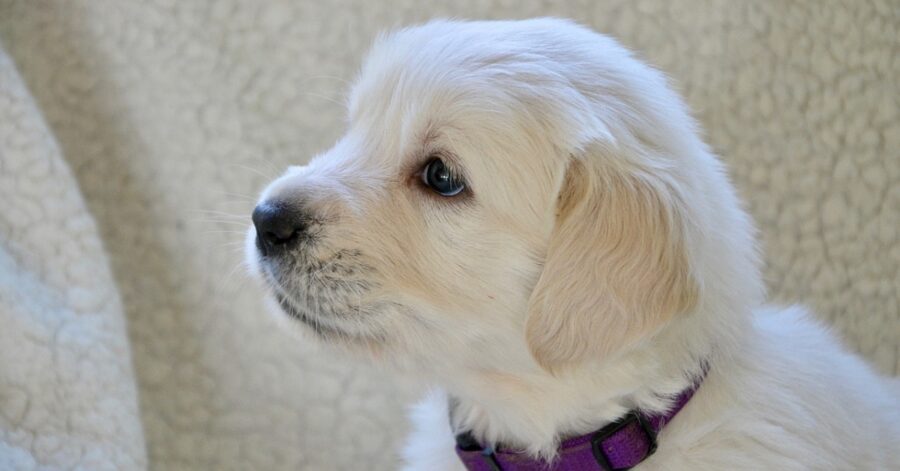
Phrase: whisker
[233,243]
[324,97]
[254,170]
[241,233]
[278,169]
[239,196]
[219,224]
[212,211]
[229,277]
[330,77]
[219,214]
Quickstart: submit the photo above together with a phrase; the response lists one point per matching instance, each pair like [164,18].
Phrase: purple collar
[620,445]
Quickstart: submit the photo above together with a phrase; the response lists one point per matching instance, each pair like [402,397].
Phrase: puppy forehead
[419,93]
[408,68]
[398,109]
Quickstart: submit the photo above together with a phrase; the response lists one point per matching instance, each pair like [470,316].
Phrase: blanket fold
[68,397]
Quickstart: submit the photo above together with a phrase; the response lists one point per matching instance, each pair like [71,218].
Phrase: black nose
[278,226]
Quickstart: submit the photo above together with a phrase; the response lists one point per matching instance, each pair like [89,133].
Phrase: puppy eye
[437,176]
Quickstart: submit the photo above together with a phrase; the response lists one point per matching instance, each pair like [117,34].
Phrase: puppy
[523,215]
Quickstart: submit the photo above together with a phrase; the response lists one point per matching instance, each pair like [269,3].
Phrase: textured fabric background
[173,114]
[67,390]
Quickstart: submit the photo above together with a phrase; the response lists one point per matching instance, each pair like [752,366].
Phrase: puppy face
[503,194]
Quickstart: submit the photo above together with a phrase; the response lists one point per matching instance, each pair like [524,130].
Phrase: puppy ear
[616,268]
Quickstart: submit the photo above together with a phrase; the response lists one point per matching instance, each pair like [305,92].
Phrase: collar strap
[620,445]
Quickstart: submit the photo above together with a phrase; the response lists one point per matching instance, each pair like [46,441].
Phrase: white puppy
[524,215]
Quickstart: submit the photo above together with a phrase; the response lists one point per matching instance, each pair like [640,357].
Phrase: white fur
[468,295]
[790,399]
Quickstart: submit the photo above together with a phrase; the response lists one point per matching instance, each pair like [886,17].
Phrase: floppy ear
[615,269]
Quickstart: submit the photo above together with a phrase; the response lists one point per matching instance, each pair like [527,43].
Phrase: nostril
[281,234]
[277,225]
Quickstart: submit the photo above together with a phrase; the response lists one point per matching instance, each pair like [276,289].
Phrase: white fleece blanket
[67,392]
[134,136]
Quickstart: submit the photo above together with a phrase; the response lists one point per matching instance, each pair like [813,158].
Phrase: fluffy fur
[596,259]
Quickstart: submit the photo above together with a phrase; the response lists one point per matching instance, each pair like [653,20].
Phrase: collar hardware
[632,419]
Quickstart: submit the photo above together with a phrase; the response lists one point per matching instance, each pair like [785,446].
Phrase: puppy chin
[330,330]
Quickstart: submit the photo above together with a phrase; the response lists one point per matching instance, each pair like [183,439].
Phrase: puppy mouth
[314,323]
[293,310]
[325,295]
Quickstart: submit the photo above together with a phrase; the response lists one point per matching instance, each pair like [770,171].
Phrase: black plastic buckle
[613,428]
[466,442]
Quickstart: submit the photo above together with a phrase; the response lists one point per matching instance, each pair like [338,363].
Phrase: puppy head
[506,192]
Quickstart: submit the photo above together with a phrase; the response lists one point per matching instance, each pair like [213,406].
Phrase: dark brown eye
[439,178]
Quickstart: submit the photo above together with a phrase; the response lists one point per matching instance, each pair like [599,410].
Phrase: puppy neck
[533,409]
